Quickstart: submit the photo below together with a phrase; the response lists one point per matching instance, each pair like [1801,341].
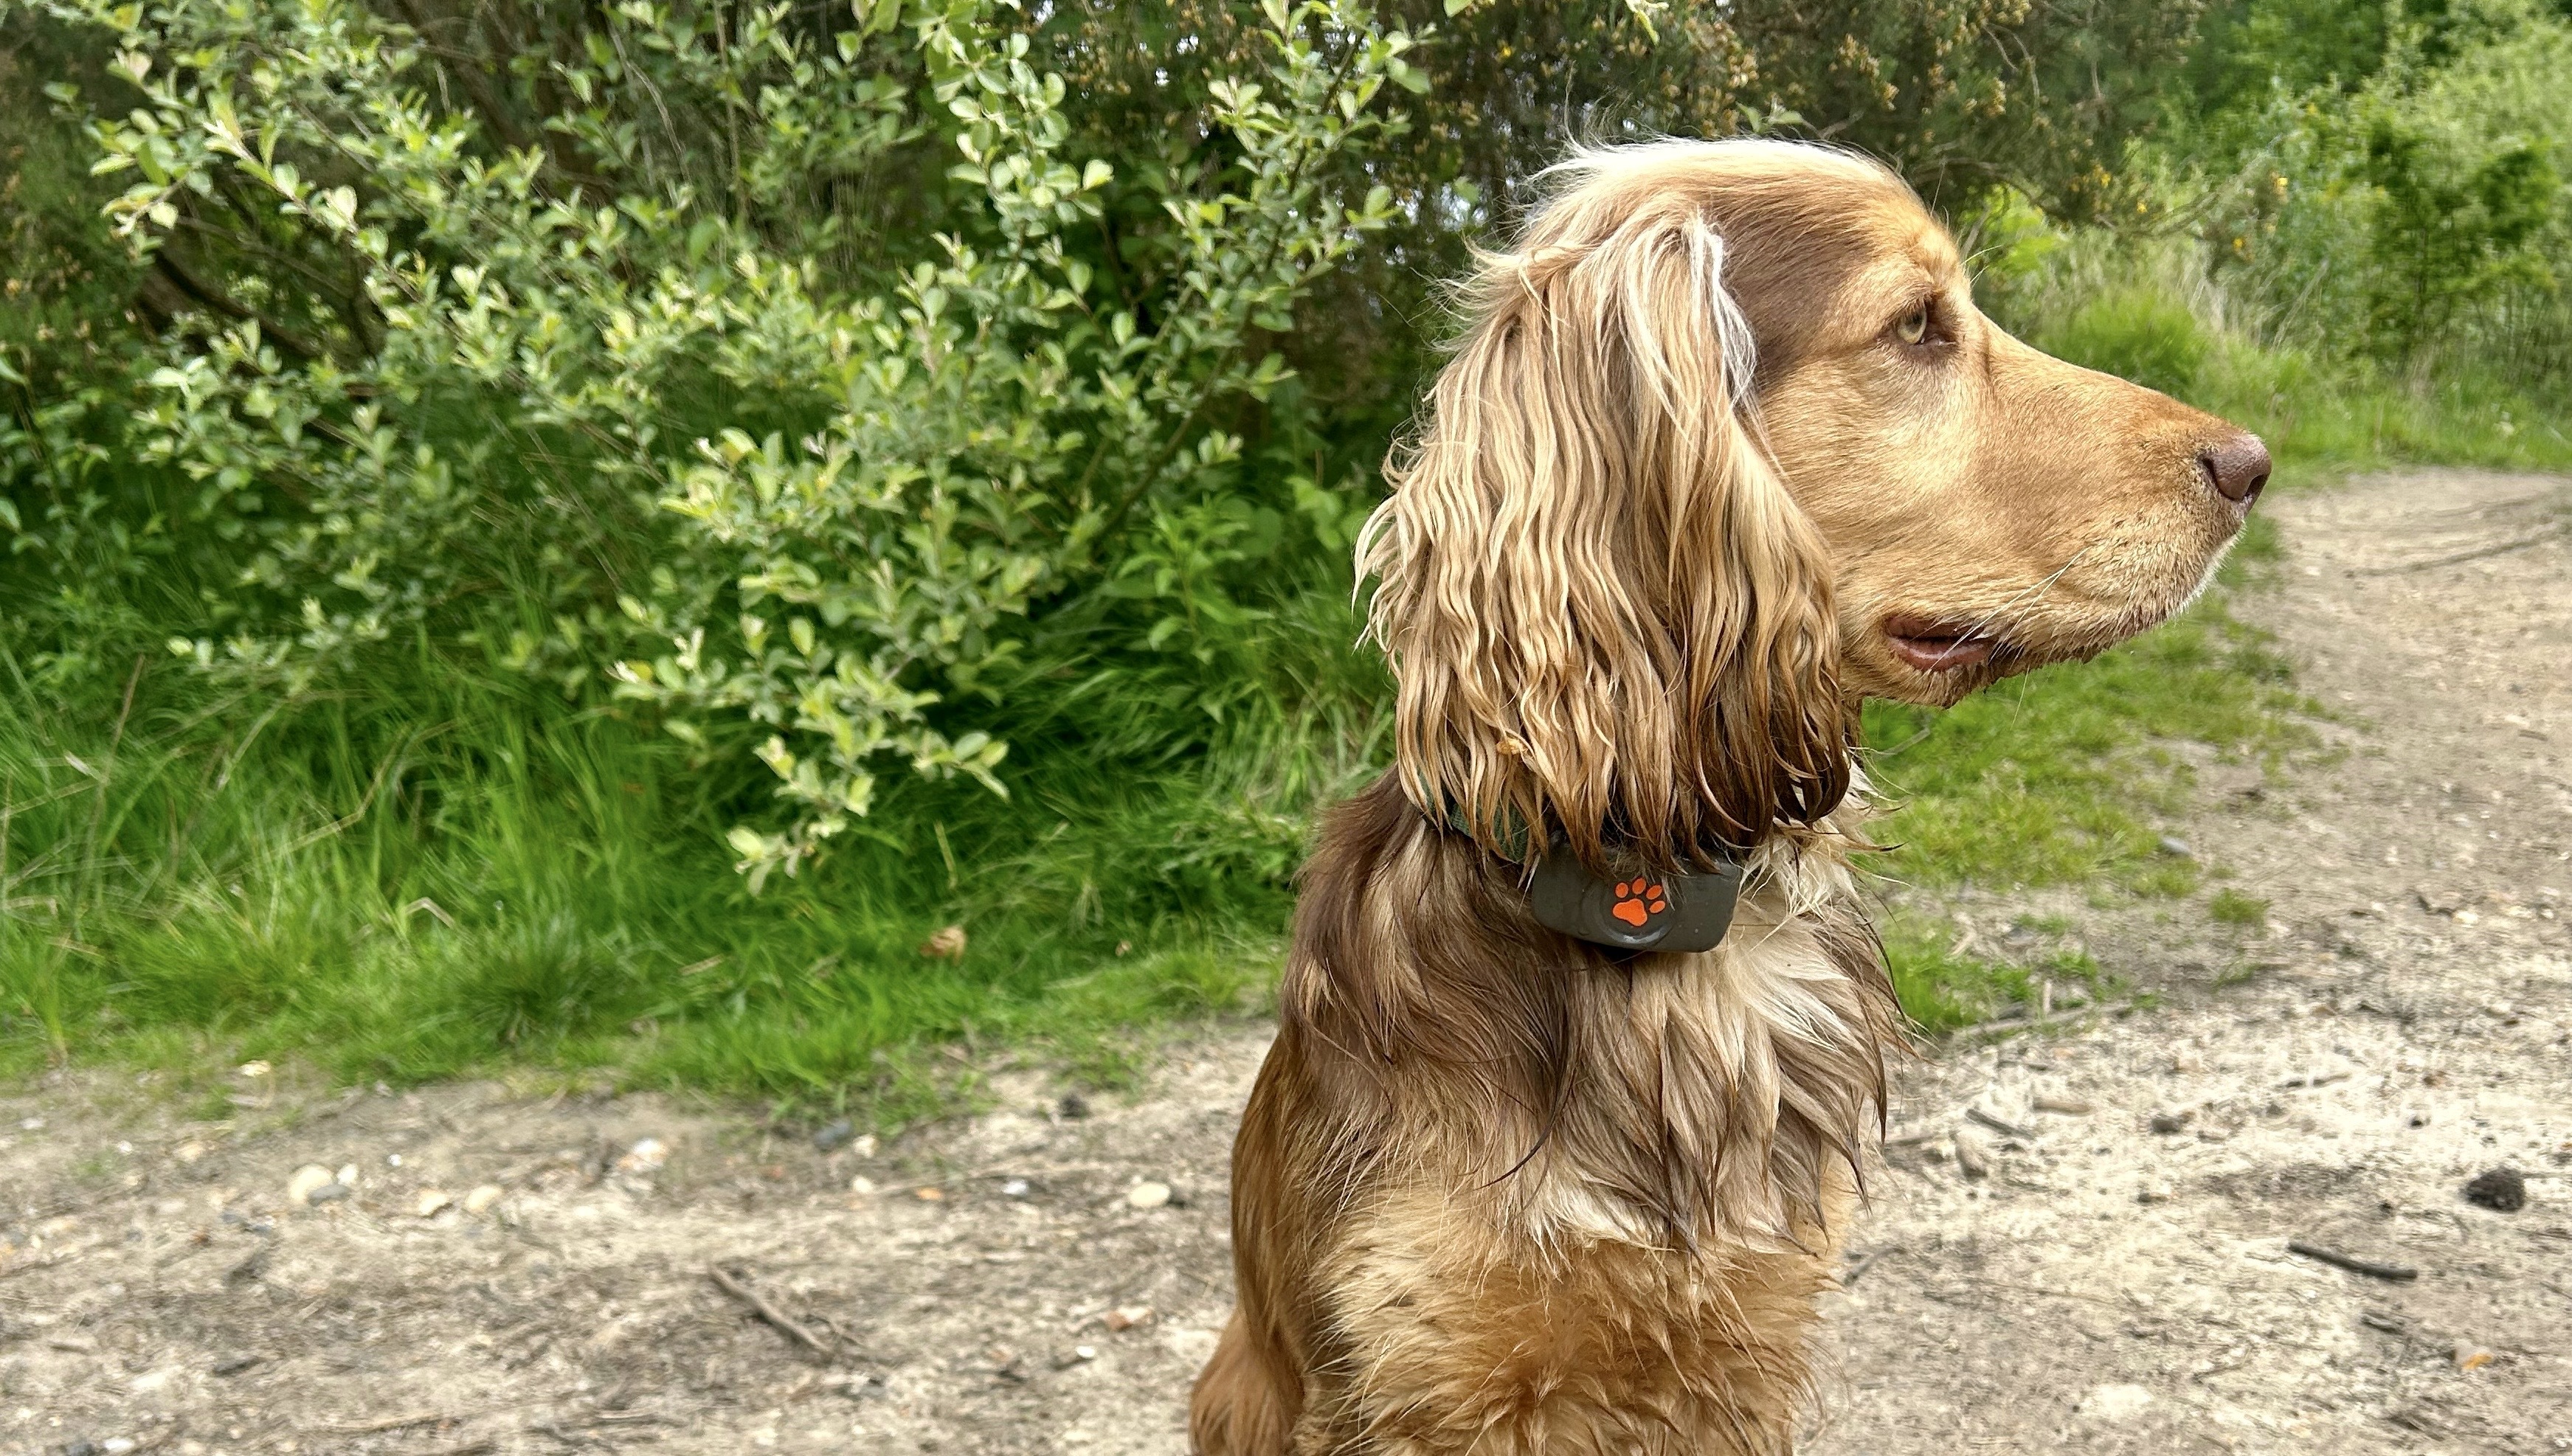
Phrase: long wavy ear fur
[1605,614]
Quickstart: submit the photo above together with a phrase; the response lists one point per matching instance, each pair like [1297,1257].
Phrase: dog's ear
[1605,613]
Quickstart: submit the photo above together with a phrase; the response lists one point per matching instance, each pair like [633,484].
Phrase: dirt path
[1001,1283]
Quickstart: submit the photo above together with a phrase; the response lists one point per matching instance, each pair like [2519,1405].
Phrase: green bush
[2146,336]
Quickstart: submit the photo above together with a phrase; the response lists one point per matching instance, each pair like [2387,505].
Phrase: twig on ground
[2006,1129]
[2503,549]
[390,1423]
[1864,1262]
[2398,1273]
[785,1324]
[2033,1023]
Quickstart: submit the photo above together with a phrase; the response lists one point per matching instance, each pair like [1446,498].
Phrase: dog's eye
[1913,327]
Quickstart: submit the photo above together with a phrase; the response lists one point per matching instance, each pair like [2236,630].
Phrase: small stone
[929,1195]
[254,1069]
[2177,849]
[347,1176]
[836,1136]
[480,1199]
[311,1175]
[862,1185]
[2152,1192]
[1015,1188]
[234,1364]
[646,1156]
[1127,1317]
[188,1152]
[328,1192]
[1072,1108]
[2502,1188]
[946,945]
[250,1270]
[118,1445]
[2168,1123]
[1149,1194]
[2069,1107]
[865,1147]
[1973,1155]
[431,1202]
[2116,1402]
[2472,1356]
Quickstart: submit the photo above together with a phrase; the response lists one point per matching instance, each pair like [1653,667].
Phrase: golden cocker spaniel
[1726,449]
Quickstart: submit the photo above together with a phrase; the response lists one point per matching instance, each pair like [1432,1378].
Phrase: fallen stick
[1975,1114]
[2398,1273]
[390,1423]
[758,1306]
[2082,1012]
[2478,554]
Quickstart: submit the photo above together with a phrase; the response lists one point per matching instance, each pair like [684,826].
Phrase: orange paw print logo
[1638,902]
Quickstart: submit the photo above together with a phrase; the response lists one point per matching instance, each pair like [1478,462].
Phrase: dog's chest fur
[1460,1335]
[1596,1218]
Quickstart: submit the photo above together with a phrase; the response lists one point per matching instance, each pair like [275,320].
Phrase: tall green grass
[479,879]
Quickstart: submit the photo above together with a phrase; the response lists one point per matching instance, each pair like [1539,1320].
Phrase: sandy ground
[1047,1275]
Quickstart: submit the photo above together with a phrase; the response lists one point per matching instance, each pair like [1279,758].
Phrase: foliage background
[582,535]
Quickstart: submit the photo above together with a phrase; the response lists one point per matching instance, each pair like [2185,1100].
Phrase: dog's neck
[1659,1099]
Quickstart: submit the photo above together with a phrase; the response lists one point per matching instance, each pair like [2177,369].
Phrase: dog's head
[1725,448]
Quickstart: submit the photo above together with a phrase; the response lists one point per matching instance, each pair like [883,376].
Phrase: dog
[1725,449]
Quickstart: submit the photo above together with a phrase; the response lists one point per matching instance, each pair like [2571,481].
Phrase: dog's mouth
[1935,646]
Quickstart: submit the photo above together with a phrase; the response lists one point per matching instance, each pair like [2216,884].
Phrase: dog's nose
[2237,467]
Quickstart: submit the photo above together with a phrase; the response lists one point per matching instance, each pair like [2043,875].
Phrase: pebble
[2116,1402]
[1973,1155]
[479,1201]
[646,1156]
[256,1069]
[1127,1317]
[2177,847]
[1072,1108]
[311,1175]
[2168,1123]
[865,1147]
[862,1185]
[328,1192]
[431,1202]
[1149,1194]
[2502,1188]
[1015,1188]
[835,1137]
